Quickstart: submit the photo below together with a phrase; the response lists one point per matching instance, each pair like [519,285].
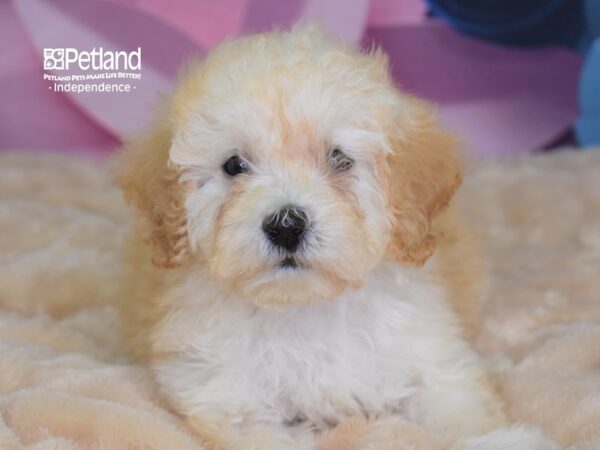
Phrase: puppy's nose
[285,227]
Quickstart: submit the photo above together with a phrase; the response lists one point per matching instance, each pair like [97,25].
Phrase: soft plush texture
[65,382]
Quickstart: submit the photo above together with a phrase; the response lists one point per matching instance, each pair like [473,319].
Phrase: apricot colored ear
[151,184]
[423,171]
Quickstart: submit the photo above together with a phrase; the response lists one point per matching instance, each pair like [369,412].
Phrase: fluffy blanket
[65,381]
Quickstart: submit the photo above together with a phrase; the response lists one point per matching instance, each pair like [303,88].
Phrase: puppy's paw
[390,433]
[513,438]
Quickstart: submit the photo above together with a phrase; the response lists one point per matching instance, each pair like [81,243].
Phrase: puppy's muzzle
[286,227]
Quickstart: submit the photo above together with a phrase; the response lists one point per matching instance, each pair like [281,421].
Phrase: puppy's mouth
[289,262]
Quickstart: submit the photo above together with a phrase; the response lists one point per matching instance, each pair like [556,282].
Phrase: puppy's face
[290,166]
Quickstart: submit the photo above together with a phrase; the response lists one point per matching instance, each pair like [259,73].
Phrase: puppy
[310,282]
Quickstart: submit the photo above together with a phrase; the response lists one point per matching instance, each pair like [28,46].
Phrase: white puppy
[310,283]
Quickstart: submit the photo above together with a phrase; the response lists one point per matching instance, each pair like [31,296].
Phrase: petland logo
[81,71]
[96,59]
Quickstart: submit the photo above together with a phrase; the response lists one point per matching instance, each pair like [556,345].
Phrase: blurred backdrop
[509,75]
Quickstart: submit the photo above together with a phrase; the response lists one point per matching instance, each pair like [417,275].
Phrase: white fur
[513,438]
[389,348]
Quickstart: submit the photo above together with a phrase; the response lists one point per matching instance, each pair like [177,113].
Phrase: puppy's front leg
[462,409]
[222,435]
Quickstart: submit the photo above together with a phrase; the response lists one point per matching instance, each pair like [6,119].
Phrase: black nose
[286,227]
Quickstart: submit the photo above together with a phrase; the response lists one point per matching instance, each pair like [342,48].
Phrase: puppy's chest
[317,364]
[343,363]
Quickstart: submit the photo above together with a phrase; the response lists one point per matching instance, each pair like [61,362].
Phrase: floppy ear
[151,184]
[423,173]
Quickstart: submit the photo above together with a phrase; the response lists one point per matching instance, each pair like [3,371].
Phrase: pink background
[500,100]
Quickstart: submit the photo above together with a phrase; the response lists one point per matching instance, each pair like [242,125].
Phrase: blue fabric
[535,23]
[592,16]
[516,22]
[587,127]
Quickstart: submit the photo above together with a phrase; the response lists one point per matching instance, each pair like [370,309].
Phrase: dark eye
[235,165]
[340,161]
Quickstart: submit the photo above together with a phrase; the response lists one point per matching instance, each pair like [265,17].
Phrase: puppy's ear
[151,184]
[423,173]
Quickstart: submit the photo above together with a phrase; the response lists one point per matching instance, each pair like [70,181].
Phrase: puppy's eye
[234,166]
[340,161]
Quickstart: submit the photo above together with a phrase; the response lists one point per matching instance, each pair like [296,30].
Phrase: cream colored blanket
[65,382]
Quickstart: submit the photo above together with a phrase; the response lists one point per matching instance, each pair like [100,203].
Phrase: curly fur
[152,185]
[255,355]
